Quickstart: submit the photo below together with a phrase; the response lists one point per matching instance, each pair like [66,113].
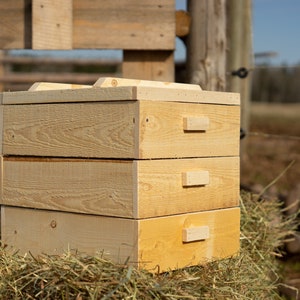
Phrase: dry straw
[253,274]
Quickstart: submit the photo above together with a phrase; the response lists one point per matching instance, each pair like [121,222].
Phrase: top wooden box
[119,118]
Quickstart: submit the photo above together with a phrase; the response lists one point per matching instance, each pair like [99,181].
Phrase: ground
[273,145]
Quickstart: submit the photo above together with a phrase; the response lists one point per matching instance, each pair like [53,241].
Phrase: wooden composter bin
[141,171]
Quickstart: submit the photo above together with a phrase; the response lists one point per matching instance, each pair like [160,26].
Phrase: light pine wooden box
[142,170]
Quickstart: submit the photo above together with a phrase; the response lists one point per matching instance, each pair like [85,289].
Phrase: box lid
[118,89]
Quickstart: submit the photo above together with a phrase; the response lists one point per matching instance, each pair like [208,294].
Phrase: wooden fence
[21,72]
[144,30]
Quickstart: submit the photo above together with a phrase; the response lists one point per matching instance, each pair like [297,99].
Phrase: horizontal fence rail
[20,72]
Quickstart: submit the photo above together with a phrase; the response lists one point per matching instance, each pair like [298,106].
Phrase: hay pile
[254,274]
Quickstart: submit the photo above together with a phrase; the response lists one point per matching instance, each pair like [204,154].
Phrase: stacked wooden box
[145,171]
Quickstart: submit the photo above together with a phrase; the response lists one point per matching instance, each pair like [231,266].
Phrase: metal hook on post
[241,72]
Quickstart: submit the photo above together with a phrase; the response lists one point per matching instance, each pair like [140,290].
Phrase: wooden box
[123,188]
[141,171]
[164,242]
[141,122]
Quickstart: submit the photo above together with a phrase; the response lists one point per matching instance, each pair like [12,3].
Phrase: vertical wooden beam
[149,65]
[27,24]
[52,24]
[234,10]
[240,54]
[247,60]
[15,24]
[206,44]
[2,53]
[1,137]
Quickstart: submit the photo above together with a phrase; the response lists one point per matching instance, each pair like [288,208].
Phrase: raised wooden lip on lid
[118,89]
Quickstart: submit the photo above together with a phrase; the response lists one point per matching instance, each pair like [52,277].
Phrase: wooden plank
[122,93]
[149,65]
[46,86]
[161,245]
[52,24]
[15,24]
[85,186]
[120,24]
[115,82]
[160,190]
[110,130]
[42,231]
[77,130]
[73,95]
[183,95]
[139,189]
[118,129]
[162,135]
[148,243]
[131,24]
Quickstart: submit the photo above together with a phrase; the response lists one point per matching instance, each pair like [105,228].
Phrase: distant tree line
[276,84]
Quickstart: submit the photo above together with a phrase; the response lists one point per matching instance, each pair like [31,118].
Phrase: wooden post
[1,70]
[240,53]
[234,28]
[149,65]
[52,24]
[247,60]
[206,44]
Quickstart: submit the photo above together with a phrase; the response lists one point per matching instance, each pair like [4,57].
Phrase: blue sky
[276,28]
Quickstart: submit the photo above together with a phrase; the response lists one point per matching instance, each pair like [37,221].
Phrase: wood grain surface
[138,189]
[155,244]
[88,24]
[123,129]
[52,24]
[133,92]
[63,130]
[162,131]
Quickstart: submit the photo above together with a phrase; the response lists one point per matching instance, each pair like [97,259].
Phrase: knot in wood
[53,224]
